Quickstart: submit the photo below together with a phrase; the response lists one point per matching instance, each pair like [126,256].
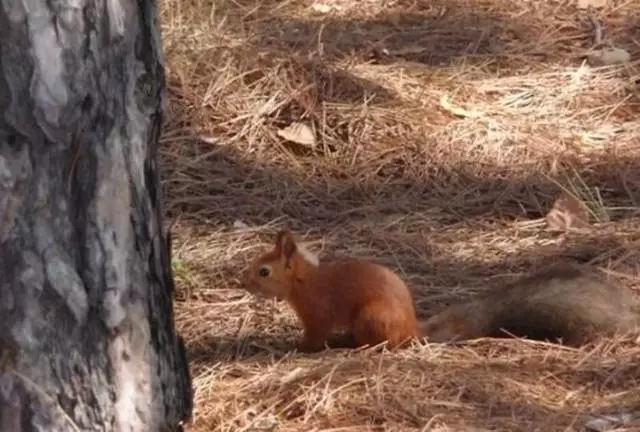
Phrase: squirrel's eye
[264,271]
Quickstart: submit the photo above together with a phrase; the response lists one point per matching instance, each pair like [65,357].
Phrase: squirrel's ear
[285,244]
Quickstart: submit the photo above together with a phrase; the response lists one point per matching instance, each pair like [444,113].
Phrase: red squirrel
[368,300]
[565,303]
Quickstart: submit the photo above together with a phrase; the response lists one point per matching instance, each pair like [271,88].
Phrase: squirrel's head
[274,273]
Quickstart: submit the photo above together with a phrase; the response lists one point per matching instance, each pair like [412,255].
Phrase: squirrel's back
[355,282]
[567,303]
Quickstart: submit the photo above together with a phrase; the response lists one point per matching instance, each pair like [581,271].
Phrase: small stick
[598,30]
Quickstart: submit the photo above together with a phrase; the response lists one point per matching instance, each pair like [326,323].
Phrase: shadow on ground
[396,216]
[521,391]
[260,347]
[427,32]
[314,57]
[410,213]
[403,208]
[235,187]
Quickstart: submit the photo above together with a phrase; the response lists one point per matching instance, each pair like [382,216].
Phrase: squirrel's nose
[250,285]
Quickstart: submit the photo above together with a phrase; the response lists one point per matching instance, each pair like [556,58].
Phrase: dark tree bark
[87,339]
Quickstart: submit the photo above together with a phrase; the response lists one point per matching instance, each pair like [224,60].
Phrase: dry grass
[453,203]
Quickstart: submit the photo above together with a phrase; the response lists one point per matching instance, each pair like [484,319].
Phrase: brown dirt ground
[454,201]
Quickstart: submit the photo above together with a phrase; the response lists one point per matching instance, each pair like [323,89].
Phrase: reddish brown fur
[567,303]
[367,299]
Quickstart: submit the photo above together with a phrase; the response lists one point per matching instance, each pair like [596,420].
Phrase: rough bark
[87,339]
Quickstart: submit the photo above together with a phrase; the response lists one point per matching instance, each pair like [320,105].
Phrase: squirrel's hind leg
[377,323]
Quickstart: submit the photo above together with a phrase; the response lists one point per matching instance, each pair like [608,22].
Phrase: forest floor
[442,133]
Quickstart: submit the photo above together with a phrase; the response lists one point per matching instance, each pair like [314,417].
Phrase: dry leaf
[600,136]
[239,225]
[586,4]
[456,110]
[292,376]
[209,139]
[408,50]
[298,133]
[608,56]
[608,422]
[568,213]
[321,8]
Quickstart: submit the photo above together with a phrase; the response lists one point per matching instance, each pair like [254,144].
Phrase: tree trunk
[87,339]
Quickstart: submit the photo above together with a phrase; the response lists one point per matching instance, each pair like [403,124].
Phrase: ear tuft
[286,244]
